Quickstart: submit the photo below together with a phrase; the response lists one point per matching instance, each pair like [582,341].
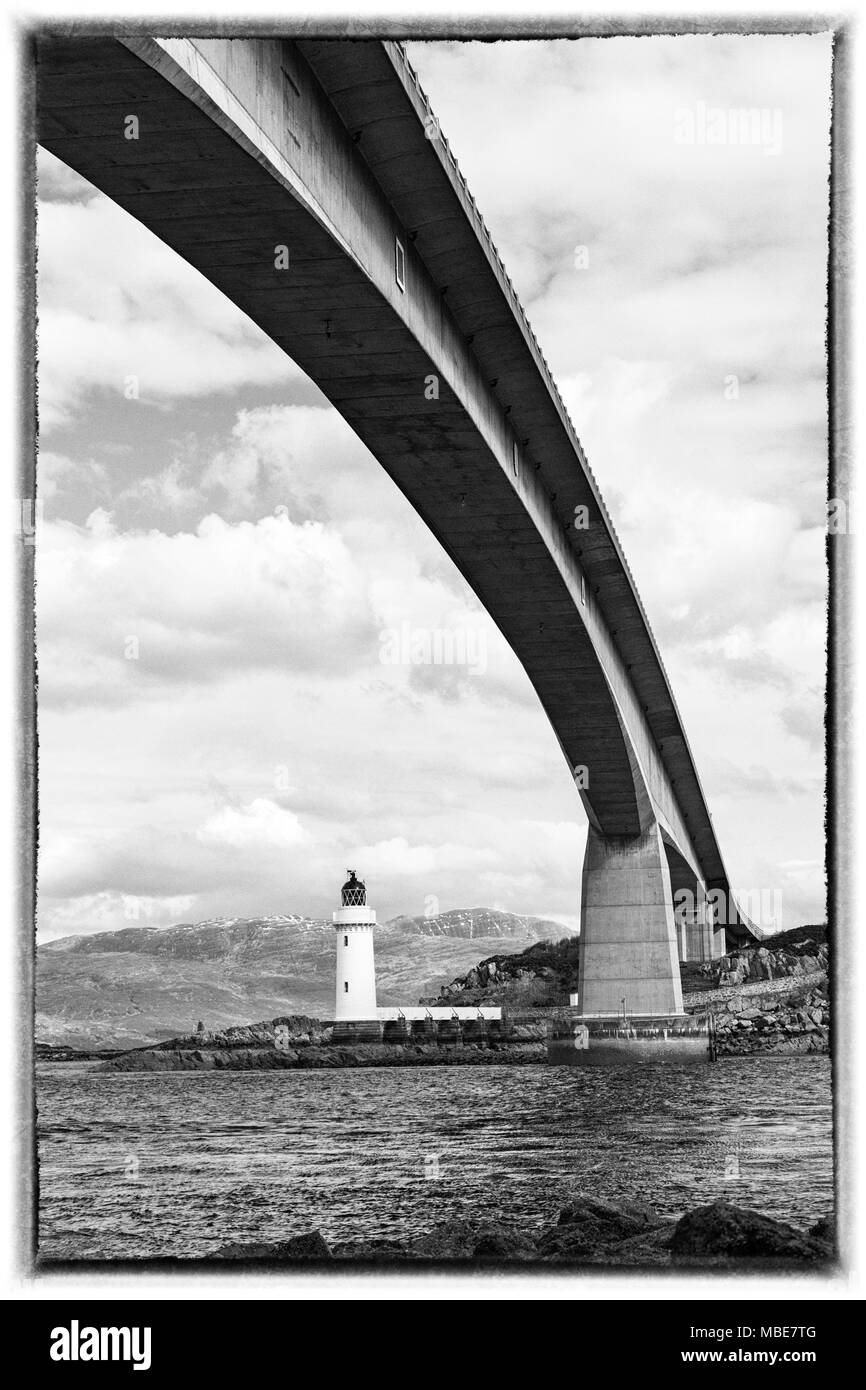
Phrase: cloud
[260,823]
[118,314]
[58,473]
[120,615]
[254,549]
[648,208]
[805,720]
[95,912]
[397,856]
[757,782]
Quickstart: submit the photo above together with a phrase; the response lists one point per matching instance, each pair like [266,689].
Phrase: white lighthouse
[356,970]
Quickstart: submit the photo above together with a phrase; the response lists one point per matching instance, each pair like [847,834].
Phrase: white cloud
[113,305]
[108,911]
[397,856]
[120,614]
[262,822]
[257,561]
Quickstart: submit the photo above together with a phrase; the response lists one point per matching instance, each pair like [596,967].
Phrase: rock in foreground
[309,1246]
[723,1229]
[589,1226]
[589,1231]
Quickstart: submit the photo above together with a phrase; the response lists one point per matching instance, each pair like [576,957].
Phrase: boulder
[372,1251]
[309,1246]
[723,1229]
[502,1243]
[590,1226]
[761,966]
[650,1249]
[824,1230]
[448,1240]
[462,1239]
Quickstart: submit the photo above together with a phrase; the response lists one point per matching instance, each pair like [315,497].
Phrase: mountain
[146,984]
[474,922]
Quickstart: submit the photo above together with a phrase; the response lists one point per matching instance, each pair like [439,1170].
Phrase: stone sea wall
[767,1000]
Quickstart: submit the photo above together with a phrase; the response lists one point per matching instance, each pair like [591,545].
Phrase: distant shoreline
[259,1053]
[768,1000]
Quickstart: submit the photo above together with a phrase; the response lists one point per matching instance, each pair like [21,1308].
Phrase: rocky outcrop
[767,998]
[722,1229]
[538,977]
[738,987]
[329,1058]
[44,1052]
[824,1231]
[307,1044]
[778,958]
[589,1226]
[467,1240]
[304,1031]
[780,1021]
[590,1231]
[309,1246]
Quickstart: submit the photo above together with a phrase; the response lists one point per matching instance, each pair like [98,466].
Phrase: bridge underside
[248,145]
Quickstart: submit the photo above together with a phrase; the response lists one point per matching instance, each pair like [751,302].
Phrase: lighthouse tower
[356,971]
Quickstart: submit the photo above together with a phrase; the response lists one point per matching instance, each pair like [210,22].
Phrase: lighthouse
[354,922]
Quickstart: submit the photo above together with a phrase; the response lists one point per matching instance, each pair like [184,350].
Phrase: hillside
[138,985]
[767,997]
[542,975]
[546,973]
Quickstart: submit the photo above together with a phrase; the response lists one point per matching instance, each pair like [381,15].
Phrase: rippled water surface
[138,1165]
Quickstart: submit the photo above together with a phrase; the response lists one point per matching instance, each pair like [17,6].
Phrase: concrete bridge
[310,182]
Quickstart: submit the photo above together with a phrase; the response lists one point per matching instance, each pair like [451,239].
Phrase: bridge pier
[694,925]
[628,935]
[699,937]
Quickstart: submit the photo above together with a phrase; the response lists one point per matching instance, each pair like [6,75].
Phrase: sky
[224,573]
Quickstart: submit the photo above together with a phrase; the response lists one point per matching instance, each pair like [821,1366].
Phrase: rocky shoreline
[331,1058]
[253,1049]
[771,1025]
[764,1000]
[771,998]
[767,1000]
[784,1024]
[589,1231]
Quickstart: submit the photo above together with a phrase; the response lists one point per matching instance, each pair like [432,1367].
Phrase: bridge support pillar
[628,936]
[694,924]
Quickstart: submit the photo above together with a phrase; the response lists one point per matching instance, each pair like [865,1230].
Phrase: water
[136,1165]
